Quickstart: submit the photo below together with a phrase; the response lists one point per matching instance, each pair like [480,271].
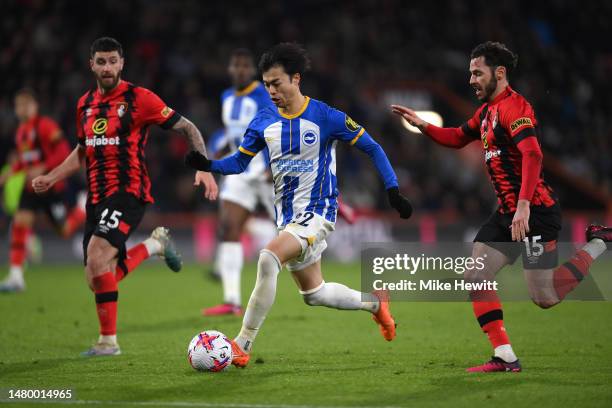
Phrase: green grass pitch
[304,356]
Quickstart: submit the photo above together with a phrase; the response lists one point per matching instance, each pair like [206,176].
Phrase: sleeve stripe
[245,151]
[469,132]
[171,121]
[361,132]
[525,133]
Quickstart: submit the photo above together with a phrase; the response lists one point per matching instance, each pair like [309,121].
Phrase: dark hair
[496,55]
[291,56]
[105,44]
[27,92]
[242,52]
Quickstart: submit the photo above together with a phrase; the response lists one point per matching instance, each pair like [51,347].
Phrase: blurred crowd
[180,49]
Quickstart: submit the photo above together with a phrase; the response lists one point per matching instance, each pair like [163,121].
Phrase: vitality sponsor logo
[519,123]
[491,154]
[102,141]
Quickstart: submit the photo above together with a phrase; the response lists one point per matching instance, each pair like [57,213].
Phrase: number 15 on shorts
[110,220]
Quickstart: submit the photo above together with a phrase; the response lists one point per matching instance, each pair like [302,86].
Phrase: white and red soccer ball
[210,350]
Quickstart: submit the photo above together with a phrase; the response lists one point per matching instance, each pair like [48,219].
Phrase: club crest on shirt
[88,112]
[351,125]
[121,108]
[309,137]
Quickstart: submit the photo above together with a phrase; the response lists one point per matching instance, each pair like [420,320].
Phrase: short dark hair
[242,52]
[291,56]
[26,91]
[496,55]
[106,44]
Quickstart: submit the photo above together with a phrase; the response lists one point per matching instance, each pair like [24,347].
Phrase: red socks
[135,256]
[570,274]
[488,312]
[488,309]
[105,288]
[75,219]
[17,252]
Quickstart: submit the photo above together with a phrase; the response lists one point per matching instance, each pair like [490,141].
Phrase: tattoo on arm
[187,128]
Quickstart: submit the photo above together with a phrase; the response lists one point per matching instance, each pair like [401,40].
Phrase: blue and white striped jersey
[238,108]
[303,157]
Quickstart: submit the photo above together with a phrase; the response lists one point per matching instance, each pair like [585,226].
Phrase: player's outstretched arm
[252,143]
[68,167]
[202,177]
[234,164]
[449,137]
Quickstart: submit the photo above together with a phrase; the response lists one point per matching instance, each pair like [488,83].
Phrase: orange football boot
[383,317]
[240,358]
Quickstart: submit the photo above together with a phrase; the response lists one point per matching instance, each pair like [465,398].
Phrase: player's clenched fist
[42,183]
[399,203]
[197,161]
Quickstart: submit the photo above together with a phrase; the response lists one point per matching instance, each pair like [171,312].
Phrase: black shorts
[114,219]
[51,203]
[540,248]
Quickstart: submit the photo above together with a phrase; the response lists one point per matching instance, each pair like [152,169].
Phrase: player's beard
[489,89]
[103,84]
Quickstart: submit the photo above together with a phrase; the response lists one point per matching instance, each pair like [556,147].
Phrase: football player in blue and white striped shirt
[301,135]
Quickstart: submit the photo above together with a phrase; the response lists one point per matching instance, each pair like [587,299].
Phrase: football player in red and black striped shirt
[40,146]
[527,211]
[113,121]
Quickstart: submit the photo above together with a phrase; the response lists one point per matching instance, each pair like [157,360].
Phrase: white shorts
[310,229]
[247,192]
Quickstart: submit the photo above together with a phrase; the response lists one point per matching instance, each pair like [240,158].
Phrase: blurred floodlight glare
[428,116]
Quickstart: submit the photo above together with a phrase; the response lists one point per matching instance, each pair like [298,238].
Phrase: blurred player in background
[528,210]
[40,146]
[300,134]
[239,193]
[112,127]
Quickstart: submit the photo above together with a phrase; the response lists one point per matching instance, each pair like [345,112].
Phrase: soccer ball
[210,350]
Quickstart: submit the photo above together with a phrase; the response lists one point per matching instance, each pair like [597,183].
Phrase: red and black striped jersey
[501,125]
[113,129]
[40,141]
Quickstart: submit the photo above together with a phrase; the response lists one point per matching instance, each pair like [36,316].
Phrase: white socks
[262,298]
[506,353]
[153,246]
[108,339]
[15,274]
[595,247]
[338,296]
[230,260]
